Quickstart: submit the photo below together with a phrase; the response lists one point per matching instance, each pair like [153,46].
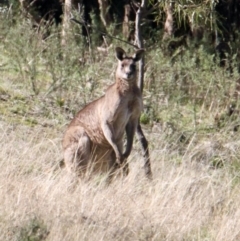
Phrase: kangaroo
[95,136]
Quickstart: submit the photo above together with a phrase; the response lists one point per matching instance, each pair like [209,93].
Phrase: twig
[103,33]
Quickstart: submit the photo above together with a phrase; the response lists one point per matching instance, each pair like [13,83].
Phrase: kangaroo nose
[129,74]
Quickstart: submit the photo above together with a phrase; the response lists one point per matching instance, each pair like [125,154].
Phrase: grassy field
[194,145]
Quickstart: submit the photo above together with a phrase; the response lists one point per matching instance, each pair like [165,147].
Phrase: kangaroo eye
[122,65]
[133,66]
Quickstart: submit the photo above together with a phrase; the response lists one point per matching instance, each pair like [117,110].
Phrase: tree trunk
[66,20]
[169,24]
[104,14]
[126,22]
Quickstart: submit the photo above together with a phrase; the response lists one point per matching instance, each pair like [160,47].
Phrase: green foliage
[198,12]
[144,119]
[34,230]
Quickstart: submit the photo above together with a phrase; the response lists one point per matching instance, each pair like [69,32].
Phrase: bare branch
[139,43]
[103,33]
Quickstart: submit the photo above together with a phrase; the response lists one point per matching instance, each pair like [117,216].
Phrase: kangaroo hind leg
[77,149]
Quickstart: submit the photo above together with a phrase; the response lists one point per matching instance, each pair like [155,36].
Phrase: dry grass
[39,201]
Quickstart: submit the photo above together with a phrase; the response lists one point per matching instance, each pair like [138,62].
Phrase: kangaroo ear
[120,53]
[138,54]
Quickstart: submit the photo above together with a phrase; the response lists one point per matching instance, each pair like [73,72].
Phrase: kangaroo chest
[126,109]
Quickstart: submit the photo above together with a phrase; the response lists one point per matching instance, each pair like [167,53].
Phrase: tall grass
[194,145]
[185,201]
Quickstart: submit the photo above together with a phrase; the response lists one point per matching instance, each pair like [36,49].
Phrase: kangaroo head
[126,69]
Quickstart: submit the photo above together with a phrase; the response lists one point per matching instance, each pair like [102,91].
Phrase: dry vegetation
[195,191]
[39,201]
